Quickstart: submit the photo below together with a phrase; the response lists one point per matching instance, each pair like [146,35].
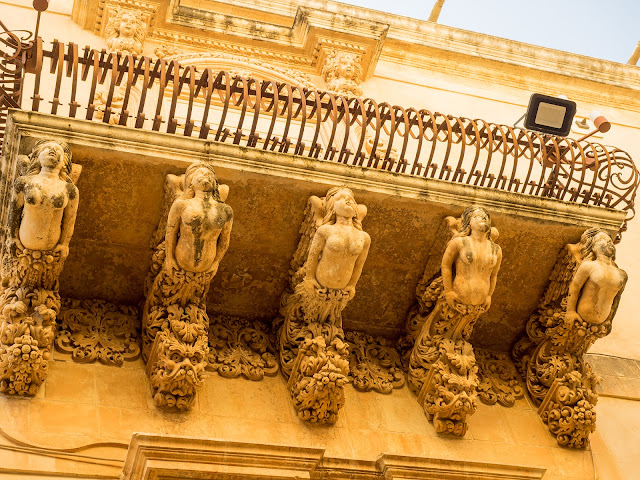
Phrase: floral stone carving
[374,364]
[241,347]
[498,379]
[326,267]
[577,308]
[442,367]
[197,228]
[41,221]
[93,330]
[343,73]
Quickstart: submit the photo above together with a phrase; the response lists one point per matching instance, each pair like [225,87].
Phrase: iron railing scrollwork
[162,95]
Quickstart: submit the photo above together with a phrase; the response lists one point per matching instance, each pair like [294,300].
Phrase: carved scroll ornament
[41,221]
[498,378]
[197,228]
[374,364]
[442,369]
[326,267]
[577,308]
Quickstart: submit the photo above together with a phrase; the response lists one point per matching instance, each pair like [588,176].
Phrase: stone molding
[155,456]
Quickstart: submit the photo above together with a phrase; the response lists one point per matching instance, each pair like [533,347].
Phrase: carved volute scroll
[41,221]
[125,34]
[325,269]
[577,308]
[197,228]
[374,364]
[442,367]
[343,73]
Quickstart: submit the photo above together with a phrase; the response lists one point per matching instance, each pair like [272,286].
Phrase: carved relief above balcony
[240,347]
[374,363]
[196,228]
[343,73]
[97,330]
[577,308]
[442,369]
[42,216]
[326,267]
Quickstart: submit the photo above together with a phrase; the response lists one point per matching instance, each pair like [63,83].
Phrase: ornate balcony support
[577,308]
[41,220]
[442,367]
[191,239]
[326,268]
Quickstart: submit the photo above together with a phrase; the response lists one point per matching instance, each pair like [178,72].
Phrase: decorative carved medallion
[326,267]
[374,364]
[577,308]
[93,330]
[498,378]
[343,73]
[241,347]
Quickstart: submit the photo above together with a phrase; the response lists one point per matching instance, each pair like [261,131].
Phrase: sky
[607,29]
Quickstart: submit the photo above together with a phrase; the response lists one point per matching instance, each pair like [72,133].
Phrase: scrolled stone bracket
[374,364]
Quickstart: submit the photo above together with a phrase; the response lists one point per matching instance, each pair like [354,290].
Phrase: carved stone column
[326,266]
[191,239]
[577,308]
[41,221]
[442,367]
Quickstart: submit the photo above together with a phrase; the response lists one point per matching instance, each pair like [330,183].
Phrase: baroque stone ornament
[374,363]
[498,379]
[241,347]
[576,309]
[197,226]
[343,73]
[442,365]
[125,33]
[41,220]
[93,330]
[325,269]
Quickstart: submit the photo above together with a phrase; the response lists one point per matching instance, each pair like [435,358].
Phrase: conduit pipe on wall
[635,56]
[435,12]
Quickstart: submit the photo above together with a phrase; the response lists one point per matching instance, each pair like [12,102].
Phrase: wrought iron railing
[162,95]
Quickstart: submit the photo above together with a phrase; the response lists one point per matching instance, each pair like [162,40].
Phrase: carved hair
[189,192]
[465,227]
[334,60]
[35,167]
[330,212]
[587,242]
[114,40]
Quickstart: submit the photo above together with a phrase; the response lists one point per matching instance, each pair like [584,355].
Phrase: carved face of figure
[127,25]
[344,204]
[603,245]
[480,221]
[203,180]
[346,68]
[51,156]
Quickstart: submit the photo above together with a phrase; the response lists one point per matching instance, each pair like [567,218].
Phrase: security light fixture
[552,115]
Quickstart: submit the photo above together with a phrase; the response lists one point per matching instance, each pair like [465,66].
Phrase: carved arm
[171,233]
[68,220]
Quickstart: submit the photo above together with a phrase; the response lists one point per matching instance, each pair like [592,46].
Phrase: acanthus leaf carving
[239,347]
[374,364]
[313,353]
[498,379]
[97,330]
[576,309]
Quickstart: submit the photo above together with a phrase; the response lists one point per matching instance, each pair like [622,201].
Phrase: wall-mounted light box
[550,115]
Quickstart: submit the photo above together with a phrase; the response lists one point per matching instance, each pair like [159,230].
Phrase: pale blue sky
[606,29]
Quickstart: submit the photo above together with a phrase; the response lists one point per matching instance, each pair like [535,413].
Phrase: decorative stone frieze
[498,379]
[343,73]
[442,369]
[240,347]
[97,330]
[577,308]
[41,221]
[197,228]
[326,267]
[374,363]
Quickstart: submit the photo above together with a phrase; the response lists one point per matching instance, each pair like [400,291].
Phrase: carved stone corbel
[576,309]
[192,237]
[374,364]
[442,366]
[498,378]
[41,221]
[325,269]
